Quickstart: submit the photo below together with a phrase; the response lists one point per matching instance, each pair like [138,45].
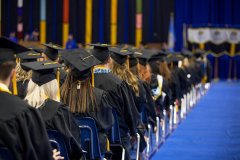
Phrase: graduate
[175,59]
[22,129]
[160,82]
[83,99]
[23,74]
[119,94]
[138,66]
[42,93]
[120,67]
[51,53]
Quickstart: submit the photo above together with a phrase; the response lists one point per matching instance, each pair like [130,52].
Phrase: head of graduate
[51,52]
[8,52]
[101,52]
[43,85]
[77,90]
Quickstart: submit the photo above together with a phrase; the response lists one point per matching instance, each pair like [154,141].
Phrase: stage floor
[211,130]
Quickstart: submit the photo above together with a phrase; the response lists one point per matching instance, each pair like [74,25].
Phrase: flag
[171,34]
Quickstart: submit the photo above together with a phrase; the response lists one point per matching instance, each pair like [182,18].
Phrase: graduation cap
[186,53]
[81,61]
[8,48]
[158,56]
[38,50]
[174,57]
[100,51]
[143,57]
[119,55]
[43,72]
[199,53]
[52,51]
[29,56]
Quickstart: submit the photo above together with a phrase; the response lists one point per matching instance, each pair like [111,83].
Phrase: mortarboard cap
[100,51]
[43,72]
[8,48]
[198,53]
[29,56]
[52,51]
[119,55]
[186,53]
[143,56]
[174,57]
[80,60]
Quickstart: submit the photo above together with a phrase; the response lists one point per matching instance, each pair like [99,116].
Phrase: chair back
[115,137]
[57,142]
[89,136]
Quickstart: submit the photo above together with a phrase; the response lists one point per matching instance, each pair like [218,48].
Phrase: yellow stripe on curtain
[43,32]
[113,36]
[65,33]
[88,36]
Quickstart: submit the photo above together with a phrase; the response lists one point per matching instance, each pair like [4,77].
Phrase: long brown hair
[165,71]
[125,74]
[78,94]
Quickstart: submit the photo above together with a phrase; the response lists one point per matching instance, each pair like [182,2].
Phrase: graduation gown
[102,115]
[58,117]
[22,88]
[150,106]
[121,98]
[22,129]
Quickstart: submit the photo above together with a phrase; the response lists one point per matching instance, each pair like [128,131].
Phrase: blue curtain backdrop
[202,13]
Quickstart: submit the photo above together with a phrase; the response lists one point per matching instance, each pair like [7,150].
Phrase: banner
[214,35]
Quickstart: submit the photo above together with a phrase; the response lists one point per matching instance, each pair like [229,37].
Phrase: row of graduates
[93,84]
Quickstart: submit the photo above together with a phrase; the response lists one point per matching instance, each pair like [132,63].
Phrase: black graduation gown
[103,117]
[175,85]
[22,129]
[58,117]
[150,107]
[121,98]
[22,88]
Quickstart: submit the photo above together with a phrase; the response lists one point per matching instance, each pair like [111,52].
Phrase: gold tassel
[108,145]
[128,65]
[14,82]
[58,80]
[92,76]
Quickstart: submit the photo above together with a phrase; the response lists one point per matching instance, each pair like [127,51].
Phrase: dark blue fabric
[211,59]
[236,66]
[211,131]
[223,66]
[204,12]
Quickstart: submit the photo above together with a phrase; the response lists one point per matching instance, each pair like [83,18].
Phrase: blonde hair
[125,74]
[22,75]
[36,95]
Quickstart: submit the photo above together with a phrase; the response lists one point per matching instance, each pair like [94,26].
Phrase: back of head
[125,74]
[6,69]
[36,95]
[78,94]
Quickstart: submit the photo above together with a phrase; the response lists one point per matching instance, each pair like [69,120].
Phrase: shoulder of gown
[22,129]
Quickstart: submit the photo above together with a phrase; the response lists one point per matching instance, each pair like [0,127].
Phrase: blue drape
[204,12]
